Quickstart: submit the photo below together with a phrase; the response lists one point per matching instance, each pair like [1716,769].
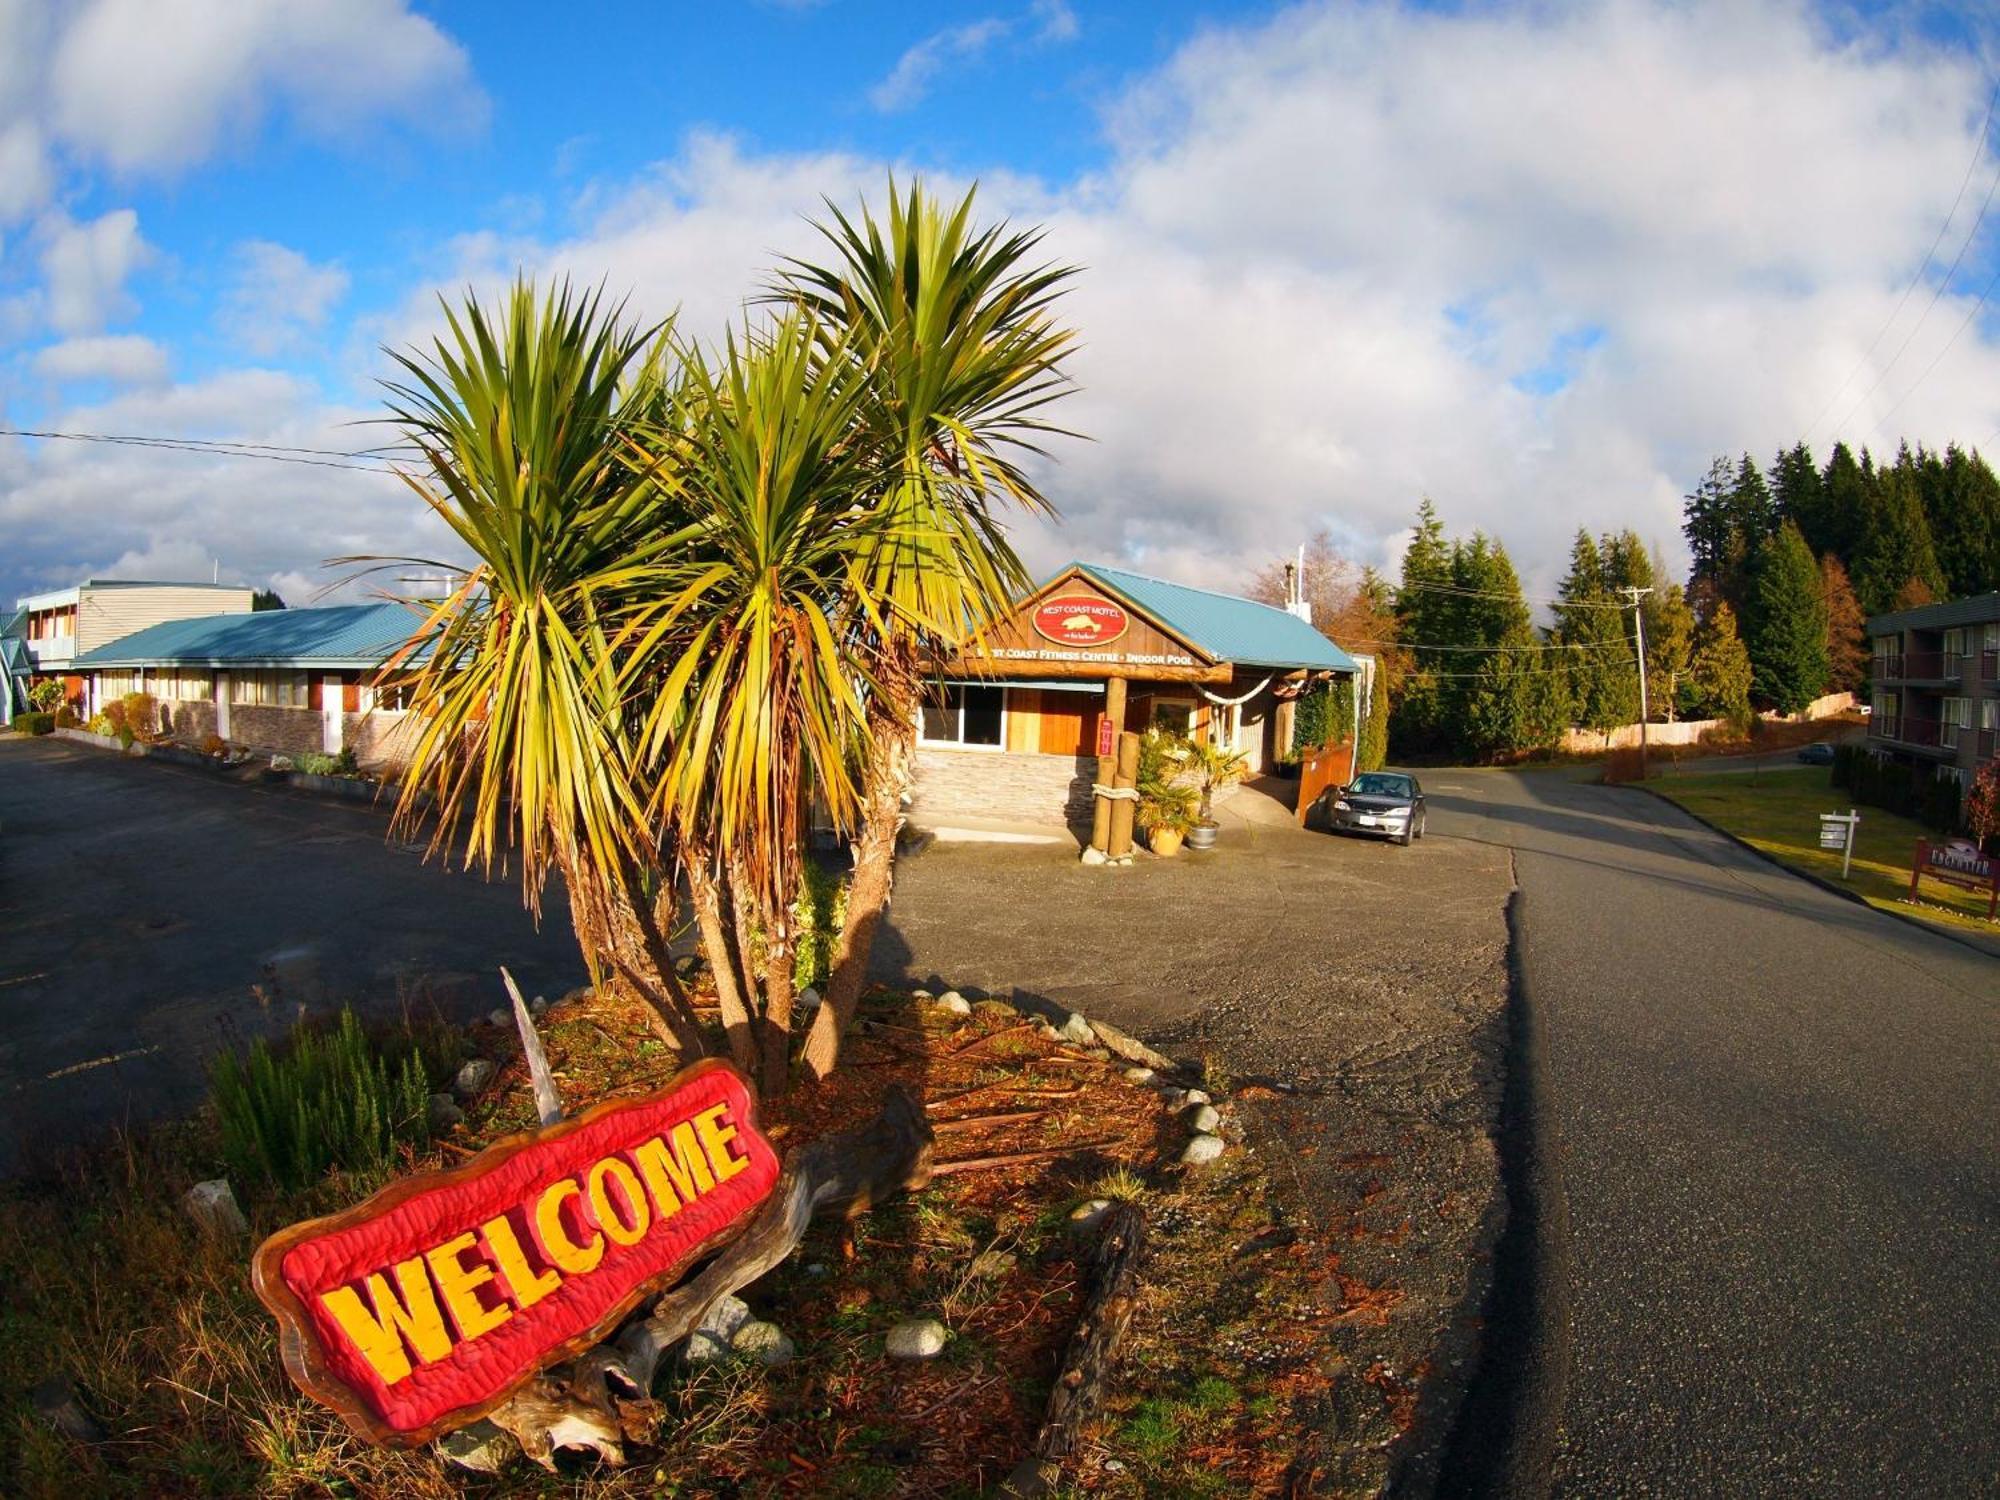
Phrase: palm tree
[955,332]
[520,679]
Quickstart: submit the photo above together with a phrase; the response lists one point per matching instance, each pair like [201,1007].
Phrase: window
[1175,715]
[1956,714]
[964,714]
[269,689]
[394,696]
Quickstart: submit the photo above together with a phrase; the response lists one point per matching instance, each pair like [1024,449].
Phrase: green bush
[817,917]
[1926,794]
[100,723]
[331,1097]
[34,723]
[314,763]
[47,695]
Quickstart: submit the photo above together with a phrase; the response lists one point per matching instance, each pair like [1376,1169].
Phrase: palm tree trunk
[892,729]
[613,934]
[722,961]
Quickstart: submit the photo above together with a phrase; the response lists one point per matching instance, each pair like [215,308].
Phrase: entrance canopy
[1090,621]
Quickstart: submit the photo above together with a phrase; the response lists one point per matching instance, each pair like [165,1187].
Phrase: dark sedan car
[1820,754]
[1387,804]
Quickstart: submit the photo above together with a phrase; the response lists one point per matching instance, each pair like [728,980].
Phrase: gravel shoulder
[1354,994]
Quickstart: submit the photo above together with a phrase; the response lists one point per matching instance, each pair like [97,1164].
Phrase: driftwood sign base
[1110,1296]
[580,1404]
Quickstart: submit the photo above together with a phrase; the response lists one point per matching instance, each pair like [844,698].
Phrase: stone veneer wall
[379,738]
[1004,785]
[190,722]
[290,731]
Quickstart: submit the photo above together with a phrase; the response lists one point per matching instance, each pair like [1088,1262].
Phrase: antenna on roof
[1296,602]
[216,576]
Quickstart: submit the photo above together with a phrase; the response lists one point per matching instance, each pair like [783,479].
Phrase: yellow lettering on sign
[578,1260]
[460,1284]
[379,1334]
[715,1139]
[523,1285]
[678,1173]
[600,1202]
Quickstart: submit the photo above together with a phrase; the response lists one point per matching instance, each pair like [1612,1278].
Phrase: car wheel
[1409,832]
[1420,825]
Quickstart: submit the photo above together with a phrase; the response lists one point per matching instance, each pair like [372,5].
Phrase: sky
[1536,262]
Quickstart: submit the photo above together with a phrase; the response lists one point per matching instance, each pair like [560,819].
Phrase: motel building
[1008,746]
[289,680]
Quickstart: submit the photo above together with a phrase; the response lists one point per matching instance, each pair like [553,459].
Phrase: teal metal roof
[346,635]
[1226,626]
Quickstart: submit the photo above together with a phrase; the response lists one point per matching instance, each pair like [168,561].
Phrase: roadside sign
[1836,831]
[1106,739]
[430,1303]
[1958,862]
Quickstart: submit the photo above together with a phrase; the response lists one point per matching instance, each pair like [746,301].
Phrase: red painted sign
[1958,862]
[1081,620]
[1107,740]
[431,1302]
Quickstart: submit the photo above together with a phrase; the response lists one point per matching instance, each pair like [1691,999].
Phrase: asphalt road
[1764,1121]
[151,914]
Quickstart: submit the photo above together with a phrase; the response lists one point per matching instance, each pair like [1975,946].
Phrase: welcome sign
[430,1303]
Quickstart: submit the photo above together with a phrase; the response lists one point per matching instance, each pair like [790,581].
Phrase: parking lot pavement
[1370,978]
[150,914]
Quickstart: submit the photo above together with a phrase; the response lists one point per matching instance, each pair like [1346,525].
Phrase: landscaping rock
[955,1003]
[688,965]
[1097,1054]
[764,1342]
[445,1112]
[704,1348]
[922,996]
[1131,1048]
[56,1402]
[1195,1096]
[1092,856]
[808,999]
[1076,1029]
[1173,1098]
[916,1338]
[1049,1033]
[1139,1075]
[724,1318]
[499,1018]
[483,1447]
[991,1265]
[998,1009]
[538,1006]
[212,1205]
[474,1076]
[1205,1119]
[1202,1149]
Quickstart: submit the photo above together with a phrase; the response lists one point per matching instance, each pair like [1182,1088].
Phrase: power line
[1942,287]
[1537,646]
[1964,324]
[268,452]
[1978,150]
[1517,598]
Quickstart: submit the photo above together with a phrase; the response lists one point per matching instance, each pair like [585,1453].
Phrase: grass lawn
[1777,812]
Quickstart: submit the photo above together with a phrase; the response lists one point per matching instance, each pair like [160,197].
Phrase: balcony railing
[1926,666]
[1907,730]
[52,651]
[1989,666]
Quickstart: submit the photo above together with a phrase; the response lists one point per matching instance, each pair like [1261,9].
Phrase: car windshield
[1376,785]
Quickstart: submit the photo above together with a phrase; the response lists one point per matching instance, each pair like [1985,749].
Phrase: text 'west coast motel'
[1013,730]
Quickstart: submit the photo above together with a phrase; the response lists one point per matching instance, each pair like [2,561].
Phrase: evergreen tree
[1719,668]
[1894,548]
[1846,634]
[1799,495]
[1424,618]
[1708,521]
[1669,643]
[1512,701]
[1787,626]
[1845,497]
[1754,512]
[1603,685]
[1964,518]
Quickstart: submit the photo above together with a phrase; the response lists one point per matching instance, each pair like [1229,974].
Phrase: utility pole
[1634,594]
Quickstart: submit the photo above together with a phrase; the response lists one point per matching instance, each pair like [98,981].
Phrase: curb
[333,788]
[1934,929]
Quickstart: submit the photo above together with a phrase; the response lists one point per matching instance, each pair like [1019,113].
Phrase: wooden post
[1122,808]
[1107,765]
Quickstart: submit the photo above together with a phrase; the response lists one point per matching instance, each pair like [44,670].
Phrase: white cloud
[124,359]
[153,85]
[85,267]
[277,296]
[918,68]
[1055,21]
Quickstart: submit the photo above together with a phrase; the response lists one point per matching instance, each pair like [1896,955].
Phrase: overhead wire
[327,458]
[1978,150]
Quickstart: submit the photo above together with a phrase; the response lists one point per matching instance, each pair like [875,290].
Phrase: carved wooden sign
[433,1301]
[1080,620]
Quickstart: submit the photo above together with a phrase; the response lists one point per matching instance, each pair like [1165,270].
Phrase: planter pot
[1202,836]
[1164,842]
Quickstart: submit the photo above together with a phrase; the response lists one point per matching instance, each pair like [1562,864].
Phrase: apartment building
[1936,677]
[58,627]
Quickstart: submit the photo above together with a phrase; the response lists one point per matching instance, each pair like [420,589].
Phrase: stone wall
[289,731]
[189,722]
[1003,785]
[380,738]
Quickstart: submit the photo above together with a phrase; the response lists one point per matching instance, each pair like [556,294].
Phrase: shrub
[34,723]
[113,713]
[214,745]
[100,723]
[817,916]
[67,717]
[1928,794]
[142,714]
[46,695]
[314,763]
[330,1098]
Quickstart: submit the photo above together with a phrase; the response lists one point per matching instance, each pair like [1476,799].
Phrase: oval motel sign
[428,1304]
[1081,621]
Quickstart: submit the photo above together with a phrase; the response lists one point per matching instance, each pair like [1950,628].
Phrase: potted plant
[1215,765]
[1167,806]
